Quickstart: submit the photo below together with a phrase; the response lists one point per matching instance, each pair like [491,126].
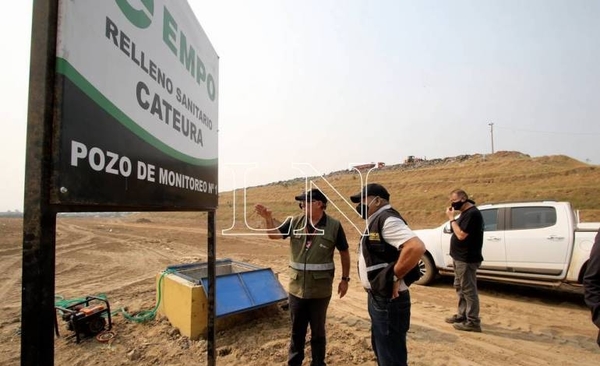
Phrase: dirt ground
[120,257]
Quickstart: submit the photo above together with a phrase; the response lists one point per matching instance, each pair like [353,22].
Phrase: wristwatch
[347,279]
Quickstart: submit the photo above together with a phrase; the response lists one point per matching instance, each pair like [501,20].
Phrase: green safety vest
[312,269]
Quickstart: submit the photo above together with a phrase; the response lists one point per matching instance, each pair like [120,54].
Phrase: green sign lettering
[137,17]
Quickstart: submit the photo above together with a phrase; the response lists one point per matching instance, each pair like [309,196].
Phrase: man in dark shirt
[591,284]
[465,249]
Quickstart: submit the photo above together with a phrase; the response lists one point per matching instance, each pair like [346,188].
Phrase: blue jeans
[390,320]
[465,283]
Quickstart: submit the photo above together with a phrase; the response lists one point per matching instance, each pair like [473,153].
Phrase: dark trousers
[304,312]
[390,321]
[465,283]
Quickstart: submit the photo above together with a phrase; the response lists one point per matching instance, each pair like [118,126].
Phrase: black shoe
[455,319]
[467,327]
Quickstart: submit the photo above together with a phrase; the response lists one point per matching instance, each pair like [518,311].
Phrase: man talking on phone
[465,249]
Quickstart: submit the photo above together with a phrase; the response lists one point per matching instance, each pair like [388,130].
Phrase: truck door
[494,250]
[535,242]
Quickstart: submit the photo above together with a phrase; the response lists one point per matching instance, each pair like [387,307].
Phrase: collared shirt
[395,232]
[341,243]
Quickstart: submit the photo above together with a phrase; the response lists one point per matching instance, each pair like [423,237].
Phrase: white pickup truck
[532,243]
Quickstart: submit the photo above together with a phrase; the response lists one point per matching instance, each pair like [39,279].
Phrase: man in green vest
[314,236]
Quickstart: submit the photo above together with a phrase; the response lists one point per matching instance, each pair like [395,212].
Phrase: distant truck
[379,165]
[529,243]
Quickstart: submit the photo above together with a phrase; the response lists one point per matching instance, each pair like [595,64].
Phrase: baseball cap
[371,189]
[313,195]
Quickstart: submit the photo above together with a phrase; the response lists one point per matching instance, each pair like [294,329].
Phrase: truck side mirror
[448,228]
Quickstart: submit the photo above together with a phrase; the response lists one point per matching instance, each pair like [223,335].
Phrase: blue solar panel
[238,292]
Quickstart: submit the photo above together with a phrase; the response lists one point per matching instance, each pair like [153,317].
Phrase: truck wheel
[427,269]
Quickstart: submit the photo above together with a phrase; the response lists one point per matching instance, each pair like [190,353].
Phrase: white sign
[137,118]
[150,65]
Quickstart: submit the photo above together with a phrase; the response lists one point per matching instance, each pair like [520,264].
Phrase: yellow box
[184,304]
[183,300]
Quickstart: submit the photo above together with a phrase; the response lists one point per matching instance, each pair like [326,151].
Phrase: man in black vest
[466,244]
[591,284]
[314,237]
[389,253]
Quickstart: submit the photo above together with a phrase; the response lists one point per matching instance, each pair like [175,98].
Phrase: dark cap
[313,195]
[371,189]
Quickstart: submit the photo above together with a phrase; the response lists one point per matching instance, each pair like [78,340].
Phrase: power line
[550,132]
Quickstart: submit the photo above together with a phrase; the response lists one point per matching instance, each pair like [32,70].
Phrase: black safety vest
[381,256]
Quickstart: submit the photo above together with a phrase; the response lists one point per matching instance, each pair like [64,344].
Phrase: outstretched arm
[270,222]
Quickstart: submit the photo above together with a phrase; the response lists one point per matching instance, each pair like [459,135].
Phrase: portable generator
[88,317]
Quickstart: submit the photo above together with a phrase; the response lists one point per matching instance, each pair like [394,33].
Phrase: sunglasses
[301,204]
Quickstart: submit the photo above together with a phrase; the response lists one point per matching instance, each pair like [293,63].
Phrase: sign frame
[43,200]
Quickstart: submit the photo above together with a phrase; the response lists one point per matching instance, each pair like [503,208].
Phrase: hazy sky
[335,83]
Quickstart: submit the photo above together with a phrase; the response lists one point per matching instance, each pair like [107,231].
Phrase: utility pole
[492,134]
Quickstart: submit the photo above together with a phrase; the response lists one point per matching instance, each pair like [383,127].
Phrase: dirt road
[120,257]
